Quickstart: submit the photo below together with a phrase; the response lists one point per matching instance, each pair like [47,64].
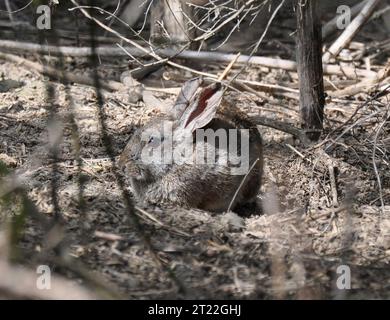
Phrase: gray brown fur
[204,186]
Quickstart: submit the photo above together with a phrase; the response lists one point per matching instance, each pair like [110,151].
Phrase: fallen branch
[350,31]
[114,85]
[365,84]
[281,126]
[208,56]
[61,76]
[331,26]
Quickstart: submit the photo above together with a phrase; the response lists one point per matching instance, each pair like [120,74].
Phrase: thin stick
[108,236]
[55,74]
[158,222]
[241,184]
[281,126]
[350,31]
[331,26]
[114,85]
[333,185]
[296,151]
[365,84]
[209,56]
[375,166]
[133,43]
[228,68]
[10,15]
[226,21]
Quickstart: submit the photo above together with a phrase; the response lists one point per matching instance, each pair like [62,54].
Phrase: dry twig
[350,31]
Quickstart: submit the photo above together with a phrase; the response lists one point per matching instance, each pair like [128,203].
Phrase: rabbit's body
[210,185]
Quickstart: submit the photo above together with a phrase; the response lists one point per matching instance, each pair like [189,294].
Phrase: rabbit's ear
[202,109]
[186,96]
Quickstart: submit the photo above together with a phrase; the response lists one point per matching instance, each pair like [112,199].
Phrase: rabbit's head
[155,147]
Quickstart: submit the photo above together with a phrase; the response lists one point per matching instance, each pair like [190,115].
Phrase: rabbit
[216,186]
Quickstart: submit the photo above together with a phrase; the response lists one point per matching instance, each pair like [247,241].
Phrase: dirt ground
[321,206]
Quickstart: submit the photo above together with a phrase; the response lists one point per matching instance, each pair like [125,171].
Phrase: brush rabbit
[201,153]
